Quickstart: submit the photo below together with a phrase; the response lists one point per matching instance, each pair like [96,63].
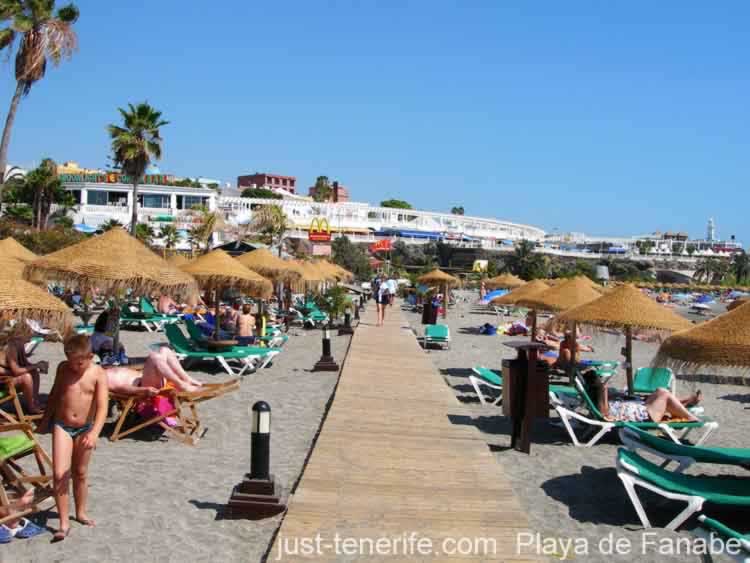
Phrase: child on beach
[245,327]
[76,411]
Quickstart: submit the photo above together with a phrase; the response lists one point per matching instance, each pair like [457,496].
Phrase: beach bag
[488,329]
[156,406]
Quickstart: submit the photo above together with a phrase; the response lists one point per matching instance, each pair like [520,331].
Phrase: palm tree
[271,222]
[202,233]
[710,270]
[527,263]
[43,35]
[171,236]
[46,186]
[110,224]
[144,233]
[741,266]
[135,144]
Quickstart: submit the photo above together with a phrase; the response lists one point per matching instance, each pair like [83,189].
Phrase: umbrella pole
[629,358]
[216,314]
[445,300]
[116,325]
[533,325]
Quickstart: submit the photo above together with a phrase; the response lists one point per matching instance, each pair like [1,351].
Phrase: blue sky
[606,117]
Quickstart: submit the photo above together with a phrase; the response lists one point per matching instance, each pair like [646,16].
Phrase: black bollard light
[255,497]
[260,441]
[347,328]
[326,361]
[356,310]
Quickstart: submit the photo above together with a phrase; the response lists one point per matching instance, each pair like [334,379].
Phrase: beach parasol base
[326,363]
[254,499]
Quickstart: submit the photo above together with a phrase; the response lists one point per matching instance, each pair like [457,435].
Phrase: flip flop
[85,521]
[28,529]
[6,535]
[60,535]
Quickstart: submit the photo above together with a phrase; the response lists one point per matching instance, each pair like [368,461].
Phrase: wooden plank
[393,457]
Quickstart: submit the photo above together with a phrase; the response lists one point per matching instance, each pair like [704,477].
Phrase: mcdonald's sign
[320,230]
[380,246]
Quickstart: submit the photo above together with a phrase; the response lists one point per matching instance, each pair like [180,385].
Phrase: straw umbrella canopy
[20,300]
[328,270]
[11,268]
[626,307]
[722,341]
[177,260]
[505,281]
[11,248]
[113,262]
[529,289]
[217,271]
[263,262]
[571,293]
[438,277]
[737,302]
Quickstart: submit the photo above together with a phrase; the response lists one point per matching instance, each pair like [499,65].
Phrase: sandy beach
[158,500]
[574,492]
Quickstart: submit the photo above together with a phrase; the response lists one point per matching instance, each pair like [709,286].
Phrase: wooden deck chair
[188,428]
[16,478]
[596,422]
[722,490]
[8,394]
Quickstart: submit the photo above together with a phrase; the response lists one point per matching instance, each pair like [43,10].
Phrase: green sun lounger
[250,358]
[723,490]
[148,308]
[437,334]
[486,377]
[711,526]
[636,439]
[675,430]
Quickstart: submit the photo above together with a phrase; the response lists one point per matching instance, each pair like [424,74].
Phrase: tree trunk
[9,119]
[134,216]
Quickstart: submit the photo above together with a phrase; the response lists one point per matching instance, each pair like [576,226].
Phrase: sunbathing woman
[659,405]
[161,366]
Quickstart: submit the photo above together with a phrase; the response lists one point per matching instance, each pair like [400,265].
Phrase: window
[96,198]
[155,201]
[190,201]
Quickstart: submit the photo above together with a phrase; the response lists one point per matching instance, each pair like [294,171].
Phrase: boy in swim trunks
[76,411]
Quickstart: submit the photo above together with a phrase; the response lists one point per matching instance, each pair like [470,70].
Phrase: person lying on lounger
[161,366]
[658,406]
[563,357]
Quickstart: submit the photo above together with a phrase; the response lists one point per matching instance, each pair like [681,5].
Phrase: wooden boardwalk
[390,463]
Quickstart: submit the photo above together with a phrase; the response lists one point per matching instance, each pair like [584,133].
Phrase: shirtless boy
[245,327]
[76,411]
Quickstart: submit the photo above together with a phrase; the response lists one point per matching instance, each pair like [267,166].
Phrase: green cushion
[729,456]
[437,332]
[724,489]
[11,446]
[648,380]
[488,375]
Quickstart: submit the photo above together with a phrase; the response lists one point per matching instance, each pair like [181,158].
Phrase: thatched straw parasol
[11,268]
[269,266]
[20,300]
[437,277]
[440,278]
[571,293]
[626,307]
[218,270]
[504,281]
[113,261]
[11,248]
[177,260]
[310,273]
[737,302]
[329,271]
[722,341]
[529,289]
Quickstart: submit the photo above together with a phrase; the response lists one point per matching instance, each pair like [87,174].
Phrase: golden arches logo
[320,225]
